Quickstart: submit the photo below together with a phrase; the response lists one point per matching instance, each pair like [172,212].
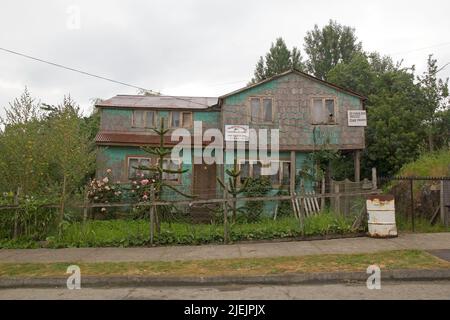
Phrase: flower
[107,188]
[105,180]
[145,197]
[103,210]
[144,182]
[108,170]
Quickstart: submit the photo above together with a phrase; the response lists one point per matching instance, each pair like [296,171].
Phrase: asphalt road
[389,290]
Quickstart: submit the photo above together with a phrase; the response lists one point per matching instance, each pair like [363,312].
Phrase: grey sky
[192,47]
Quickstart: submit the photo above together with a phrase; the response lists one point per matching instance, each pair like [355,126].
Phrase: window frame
[324,108]
[279,174]
[180,166]
[144,112]
[181,119]
[260,119]
[140,158]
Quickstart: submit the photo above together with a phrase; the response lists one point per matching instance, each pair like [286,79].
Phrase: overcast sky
[203,48]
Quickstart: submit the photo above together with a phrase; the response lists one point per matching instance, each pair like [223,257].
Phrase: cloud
[189,47]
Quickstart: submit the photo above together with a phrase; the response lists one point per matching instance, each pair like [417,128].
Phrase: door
[205,181]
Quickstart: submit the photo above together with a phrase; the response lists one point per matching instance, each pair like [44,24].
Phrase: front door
[205,181]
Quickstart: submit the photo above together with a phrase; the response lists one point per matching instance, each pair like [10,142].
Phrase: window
[261,109]
[180,119]
[252,168]
[172,164]
[134,163]
[143,119]
[187,120]
[267,110]
[323,111]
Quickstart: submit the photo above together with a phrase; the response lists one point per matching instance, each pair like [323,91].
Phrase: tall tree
[327,47]
[436,98]
[278,60]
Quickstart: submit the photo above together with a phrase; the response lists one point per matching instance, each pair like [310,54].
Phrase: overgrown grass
[126,233]
[430,164]
[421,225]
[388,260]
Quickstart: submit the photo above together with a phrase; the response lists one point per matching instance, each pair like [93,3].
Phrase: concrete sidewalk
[428,241]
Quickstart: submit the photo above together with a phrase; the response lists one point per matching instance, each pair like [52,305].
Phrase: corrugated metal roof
[159,102]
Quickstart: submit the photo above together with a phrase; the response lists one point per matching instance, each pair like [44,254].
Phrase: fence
[416,197]
[426,198]
[300,203]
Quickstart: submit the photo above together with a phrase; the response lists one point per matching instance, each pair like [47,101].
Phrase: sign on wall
[357,118]
[236,132]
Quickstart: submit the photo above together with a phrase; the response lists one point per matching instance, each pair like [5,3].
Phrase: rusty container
[381,213]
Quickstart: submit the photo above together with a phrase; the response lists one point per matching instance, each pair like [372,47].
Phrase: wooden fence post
[16,214]
[225,216]
[337,203]
[85,208]
[322,199]
[374,178]
[441,202]
[152,216]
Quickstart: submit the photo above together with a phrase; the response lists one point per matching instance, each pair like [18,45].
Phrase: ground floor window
[133,166]
[254,169]
[134,162]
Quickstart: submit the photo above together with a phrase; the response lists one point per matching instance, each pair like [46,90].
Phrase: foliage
[327,47]
[32,220]
[278,60]
[45,149]
[256,187]
[436,99]
[430,164]
[104,190]
[233,188]
[127,233]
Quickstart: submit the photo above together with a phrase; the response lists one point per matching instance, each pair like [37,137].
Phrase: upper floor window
[323,111]
[179,119]
[143,119]
[261,109]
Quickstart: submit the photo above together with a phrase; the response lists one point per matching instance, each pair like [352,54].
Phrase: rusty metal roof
[159,102]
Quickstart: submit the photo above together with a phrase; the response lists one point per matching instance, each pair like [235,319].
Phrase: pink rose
[145,197]
[144,182]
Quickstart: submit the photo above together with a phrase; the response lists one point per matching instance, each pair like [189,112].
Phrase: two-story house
[310,113]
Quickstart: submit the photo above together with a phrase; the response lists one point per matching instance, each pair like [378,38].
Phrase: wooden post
[412,203]
[337,204]
[441,202]
[357,165]
[85,207]
[152,216]
[225,216]
[292,173]
[322,199]
[63,199]
[374,178]
[16,214]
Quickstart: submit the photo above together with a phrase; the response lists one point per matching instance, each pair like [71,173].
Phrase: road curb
[285,279]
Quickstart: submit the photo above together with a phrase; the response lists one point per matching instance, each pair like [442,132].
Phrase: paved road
[425,241]
[392,290]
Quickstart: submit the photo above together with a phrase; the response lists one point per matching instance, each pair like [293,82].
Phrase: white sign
[357,118]
[236,132]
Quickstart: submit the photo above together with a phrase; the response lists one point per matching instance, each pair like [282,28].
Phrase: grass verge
[388,260]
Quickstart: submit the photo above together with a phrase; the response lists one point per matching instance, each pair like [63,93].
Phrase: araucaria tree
[159,170]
